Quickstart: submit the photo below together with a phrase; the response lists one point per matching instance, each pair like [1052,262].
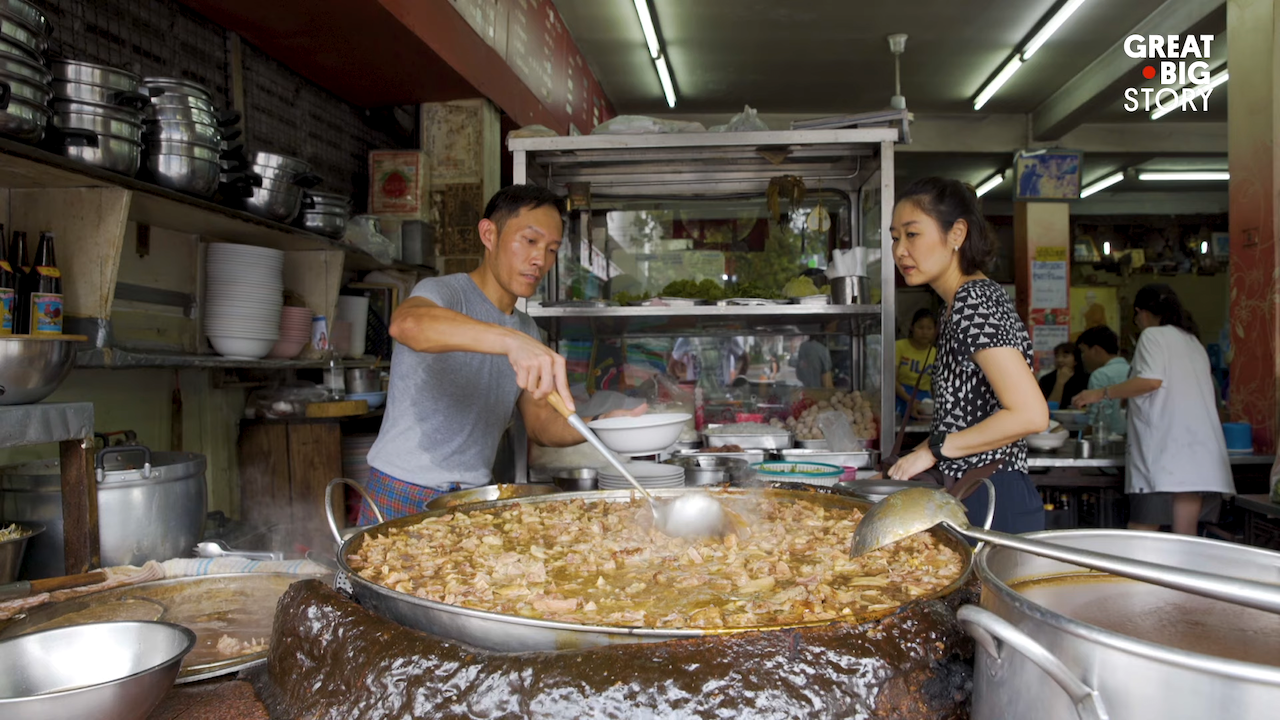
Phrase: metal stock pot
[1038,659]
[512,633]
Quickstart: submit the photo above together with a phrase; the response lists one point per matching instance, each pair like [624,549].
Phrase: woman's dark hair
[1160,300]
[1100,336]
[921,314]
[946,201]
[509,201]
[1073,350]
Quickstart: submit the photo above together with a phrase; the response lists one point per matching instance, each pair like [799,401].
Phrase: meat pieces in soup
[602,563]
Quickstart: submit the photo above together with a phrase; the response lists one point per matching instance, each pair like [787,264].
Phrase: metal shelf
[116,359]
[45,423]
[567,323]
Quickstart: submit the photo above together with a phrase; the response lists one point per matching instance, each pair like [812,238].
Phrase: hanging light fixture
[656,51]
[990,184]
[1102,184]
[1040,38]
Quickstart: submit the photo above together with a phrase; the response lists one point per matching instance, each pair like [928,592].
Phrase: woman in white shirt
[1176,453]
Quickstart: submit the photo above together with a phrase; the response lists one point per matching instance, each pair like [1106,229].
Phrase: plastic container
[813,473]
[1239,437]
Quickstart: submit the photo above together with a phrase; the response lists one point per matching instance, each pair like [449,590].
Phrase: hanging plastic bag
[838,432]
[746,121]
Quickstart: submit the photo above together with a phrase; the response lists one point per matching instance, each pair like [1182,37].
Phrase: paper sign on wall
[1044,338]
[1049,280]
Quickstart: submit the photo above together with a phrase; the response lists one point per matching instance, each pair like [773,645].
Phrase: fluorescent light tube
[990,184]
[1049,28]
[1204,247]
[1106,247]
[646,24]
[664,74]
[1102,184]
[1186,175]
[1005,73]
[1214,82]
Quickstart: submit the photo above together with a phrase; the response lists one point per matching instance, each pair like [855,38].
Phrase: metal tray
[751,456]
[861,459]
[776,441]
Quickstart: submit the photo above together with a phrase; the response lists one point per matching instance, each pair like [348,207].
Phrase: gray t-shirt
[446,411]
[813,360]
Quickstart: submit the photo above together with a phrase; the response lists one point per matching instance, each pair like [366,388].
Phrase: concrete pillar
[1253,112]
[1042,256]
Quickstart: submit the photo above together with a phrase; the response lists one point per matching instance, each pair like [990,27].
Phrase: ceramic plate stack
[650,475]
[244,293]
[295,333]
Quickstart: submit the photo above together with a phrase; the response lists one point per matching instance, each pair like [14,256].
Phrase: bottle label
[46,314]
[6,311]
[48,271]
[5,266]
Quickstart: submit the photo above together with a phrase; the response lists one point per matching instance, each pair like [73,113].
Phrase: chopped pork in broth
[601,563]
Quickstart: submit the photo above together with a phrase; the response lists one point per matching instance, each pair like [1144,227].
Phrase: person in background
[813,366]
[1176,454]
[1100,350]
[691,355]
[983,387]
[914,354]
[1068,377]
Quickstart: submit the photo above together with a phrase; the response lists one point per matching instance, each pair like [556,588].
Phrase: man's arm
[423,326]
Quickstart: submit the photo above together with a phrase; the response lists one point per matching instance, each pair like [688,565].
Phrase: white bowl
[1047,440]
[236,250]
[925,406]
[644,435]
[241,348]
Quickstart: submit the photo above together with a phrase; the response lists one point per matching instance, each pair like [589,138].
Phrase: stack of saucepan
[185,136]
[325,213]
[97,115]
[278,182]
[24,82]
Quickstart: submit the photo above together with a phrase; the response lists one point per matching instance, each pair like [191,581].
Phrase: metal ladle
[908,512]
[690,515]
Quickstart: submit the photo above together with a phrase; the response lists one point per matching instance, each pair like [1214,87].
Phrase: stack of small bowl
[184,138]
[325,213]
[24,33]
[98,116]
[295,333]
[279,197]
[244,295]
[649,475]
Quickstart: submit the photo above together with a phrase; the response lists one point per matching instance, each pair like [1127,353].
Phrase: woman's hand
[911,465]
[1084,398]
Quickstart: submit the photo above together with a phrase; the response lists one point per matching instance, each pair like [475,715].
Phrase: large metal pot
[103,75]
[1040,661]
[185,174]
[32,43]
[511,633]
[151,506]
[27,14]
[178,86]
[328,224]
[99,124]
[109,152]
[101,94]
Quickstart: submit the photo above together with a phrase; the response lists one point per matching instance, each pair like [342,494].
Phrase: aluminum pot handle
[991,510]
[328,504]
[6,92]
[100,464]
[987,628]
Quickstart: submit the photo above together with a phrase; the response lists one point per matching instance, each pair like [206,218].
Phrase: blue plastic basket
[797,470]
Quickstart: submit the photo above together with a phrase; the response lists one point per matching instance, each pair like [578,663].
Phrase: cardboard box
[399,184]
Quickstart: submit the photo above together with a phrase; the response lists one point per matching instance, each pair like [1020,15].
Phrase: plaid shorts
[395,498]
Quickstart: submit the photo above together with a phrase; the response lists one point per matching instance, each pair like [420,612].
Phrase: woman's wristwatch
[936,440]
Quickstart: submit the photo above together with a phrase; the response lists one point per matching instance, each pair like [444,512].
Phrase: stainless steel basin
[11,551]
[32,368]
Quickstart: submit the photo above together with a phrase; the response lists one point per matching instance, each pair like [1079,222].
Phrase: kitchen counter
[1065,458]
[1259,504]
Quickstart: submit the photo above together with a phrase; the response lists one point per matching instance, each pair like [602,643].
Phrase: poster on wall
[1049,278]
[1044,338]
[1047,175]
[1093,306]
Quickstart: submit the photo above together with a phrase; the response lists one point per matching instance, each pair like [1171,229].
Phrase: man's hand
[634,412]
[539,369]
[1084,398]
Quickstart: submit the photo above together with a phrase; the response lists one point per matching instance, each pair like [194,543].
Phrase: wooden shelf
[24,167]
[116,359]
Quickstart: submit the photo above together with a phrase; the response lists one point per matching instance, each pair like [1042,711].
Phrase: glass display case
[694,264]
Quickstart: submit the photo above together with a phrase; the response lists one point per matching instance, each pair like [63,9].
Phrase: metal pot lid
[45,475]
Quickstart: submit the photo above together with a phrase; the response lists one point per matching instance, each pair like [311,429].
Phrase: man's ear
[488,234]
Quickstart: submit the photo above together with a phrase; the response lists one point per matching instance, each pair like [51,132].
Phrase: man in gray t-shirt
[465,358]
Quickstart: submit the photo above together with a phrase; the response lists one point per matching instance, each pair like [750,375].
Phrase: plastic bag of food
[533,131]
[746,121]
[641,125]
[838,431]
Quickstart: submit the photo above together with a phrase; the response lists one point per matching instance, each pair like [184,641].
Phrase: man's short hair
[509,201]
[1100,336]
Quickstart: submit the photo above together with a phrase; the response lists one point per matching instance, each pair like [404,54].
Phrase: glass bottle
[21,264]
[45,290]
[8,289]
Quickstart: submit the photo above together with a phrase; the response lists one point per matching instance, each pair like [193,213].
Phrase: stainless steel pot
[183,131]
[182,114]
[284,163]
[101,94]
[33,43]
[332,225]
[330,199]
[100,124]
[363,380]
[581,480]
[708,469]
[16,64]
[25,88]
[178,86]
[101,75]
[1034,661]
[185,174]
[151,506]
[185,149]
[279,205]
[113,112]
[171,100]
[27,14]
[109,152]
[24,120]
[12,551]
[511,633]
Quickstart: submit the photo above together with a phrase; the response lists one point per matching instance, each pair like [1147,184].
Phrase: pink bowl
[287,349]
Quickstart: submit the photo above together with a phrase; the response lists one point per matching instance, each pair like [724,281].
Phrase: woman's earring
[955,248]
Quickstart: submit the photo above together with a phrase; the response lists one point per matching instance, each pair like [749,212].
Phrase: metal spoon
[218,548]
[690,515]
[908,512]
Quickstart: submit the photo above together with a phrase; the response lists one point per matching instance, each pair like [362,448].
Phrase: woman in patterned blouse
[986,399]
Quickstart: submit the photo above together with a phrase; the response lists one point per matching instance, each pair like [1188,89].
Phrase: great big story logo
[1179,61]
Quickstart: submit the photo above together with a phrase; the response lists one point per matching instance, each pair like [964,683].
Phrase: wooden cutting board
[337,408]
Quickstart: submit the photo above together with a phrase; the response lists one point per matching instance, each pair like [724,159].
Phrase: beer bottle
[8,289]
[21,265]
[45,282]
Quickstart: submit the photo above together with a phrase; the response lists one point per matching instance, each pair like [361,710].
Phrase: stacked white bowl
[244,292]
[648,474]
[295,333]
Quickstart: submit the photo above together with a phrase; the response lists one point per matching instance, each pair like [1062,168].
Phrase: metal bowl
[332,225]
[710,469]
[95,671]
[103,75]
[877,490]
[11,551]
[581,480]
[117,154]
[24,120]
[32,368]
[488,493]
[192,175]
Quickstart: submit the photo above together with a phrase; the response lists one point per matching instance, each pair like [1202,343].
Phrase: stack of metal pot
[283,178]
[184,136]
[325,213]
[24,81]
[97,115]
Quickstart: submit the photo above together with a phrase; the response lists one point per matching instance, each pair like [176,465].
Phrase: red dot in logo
[1148,72]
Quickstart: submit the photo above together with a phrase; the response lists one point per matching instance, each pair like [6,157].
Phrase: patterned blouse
[981,316]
